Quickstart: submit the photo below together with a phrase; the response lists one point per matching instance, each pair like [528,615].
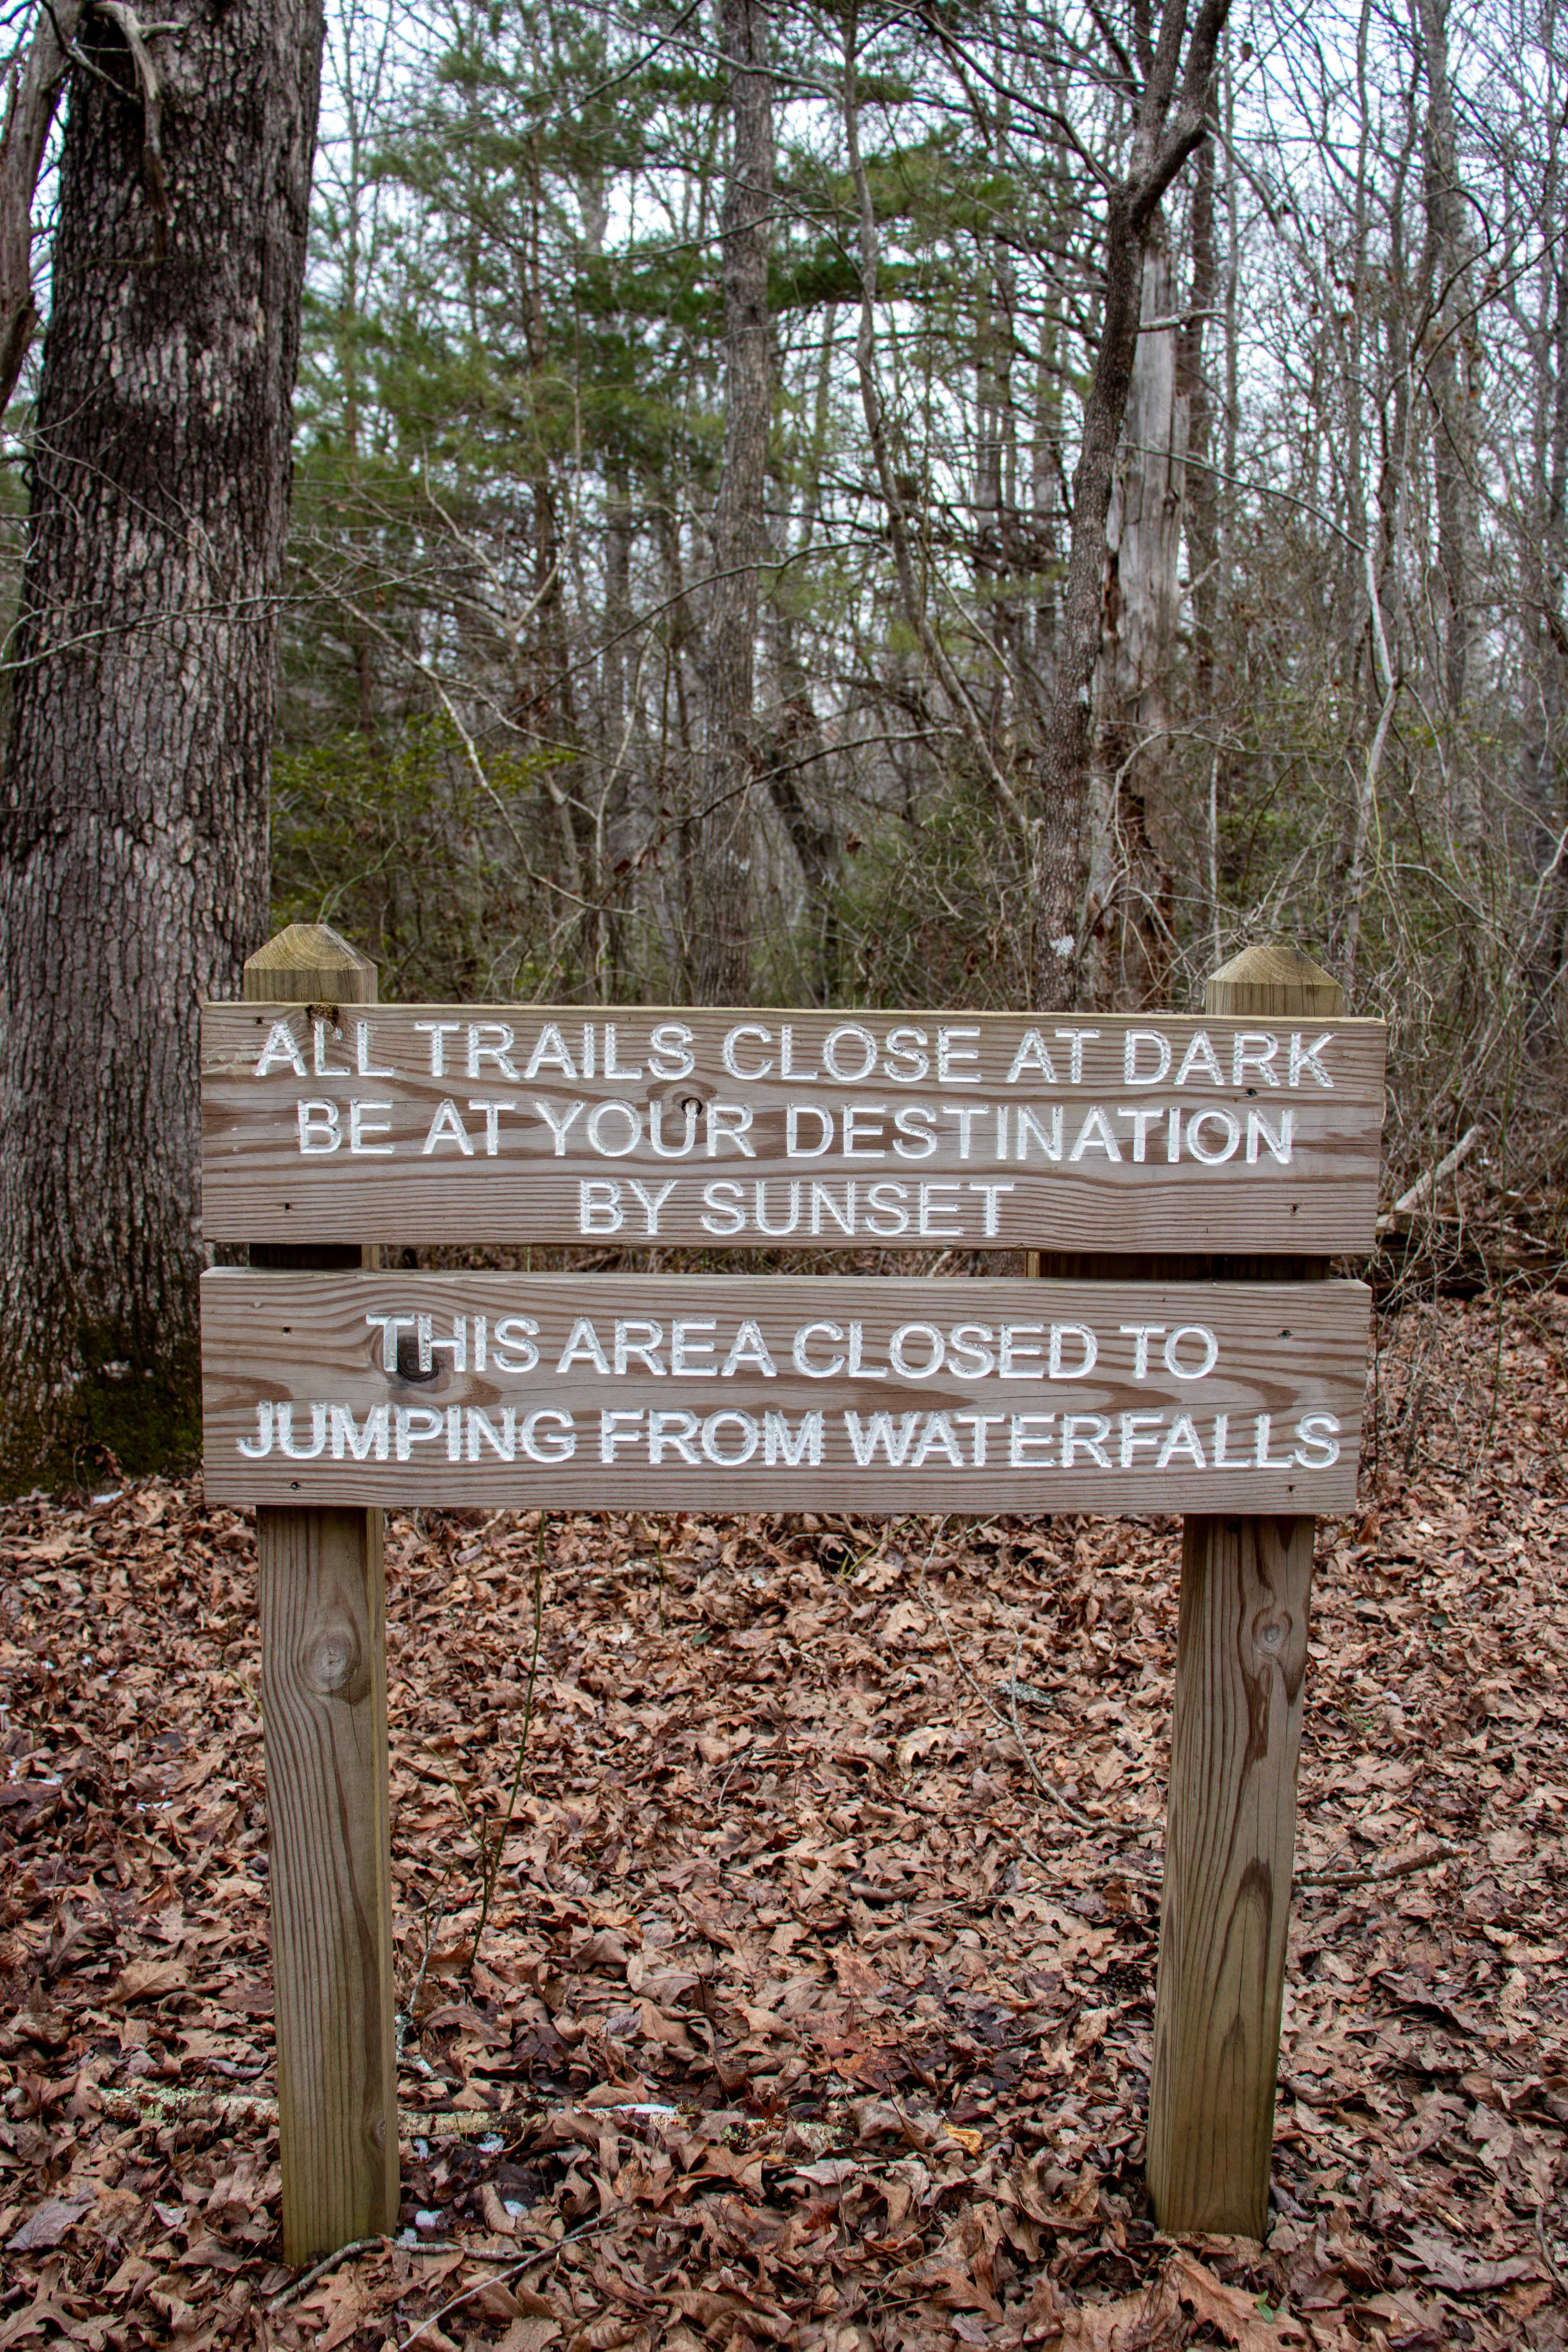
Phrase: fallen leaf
[1119,2326]
[919,1742]
[148,1980]
[345,2321]
[529,2335]
[496,2217]
[47,2223]
[1233,2314]
[1441,2264]
[828,2171]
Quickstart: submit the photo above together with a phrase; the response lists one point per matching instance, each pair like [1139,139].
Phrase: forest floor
[803,2014]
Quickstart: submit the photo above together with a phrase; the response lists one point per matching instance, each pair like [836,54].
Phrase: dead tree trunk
[134,863]
[1171,112]
[1129,865]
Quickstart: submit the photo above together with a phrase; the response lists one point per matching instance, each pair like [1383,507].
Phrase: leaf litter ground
[811,2009]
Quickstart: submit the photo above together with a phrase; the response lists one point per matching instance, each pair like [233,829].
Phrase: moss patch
[129,1412]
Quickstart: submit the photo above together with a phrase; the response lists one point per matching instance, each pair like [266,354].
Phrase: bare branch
[35,94]
[134,34]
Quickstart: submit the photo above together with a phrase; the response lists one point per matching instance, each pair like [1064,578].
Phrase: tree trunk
[1130,868]
[719,917]
[1045,501]
[796,757]
[1172,115]
[796,764]
[1202,489]
[720,908]
[134,864]
[616,842]
[1057,879]
[1448,332]
[1542,794]
[1204,508]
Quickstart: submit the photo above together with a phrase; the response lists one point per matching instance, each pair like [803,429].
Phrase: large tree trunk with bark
[722,821]
[133,853]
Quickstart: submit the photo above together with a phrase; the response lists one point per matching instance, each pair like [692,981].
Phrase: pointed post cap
[1272,982]
[309,963]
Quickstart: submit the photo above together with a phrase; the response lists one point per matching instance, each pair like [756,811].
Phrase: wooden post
[324,1712]
[1241,1650]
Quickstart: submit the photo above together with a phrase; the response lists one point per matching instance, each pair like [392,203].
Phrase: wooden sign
[793,1130]
[1230,1139]
[783,1392]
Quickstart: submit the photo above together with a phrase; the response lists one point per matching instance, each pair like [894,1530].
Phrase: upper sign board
[788,1130]
[778,1392]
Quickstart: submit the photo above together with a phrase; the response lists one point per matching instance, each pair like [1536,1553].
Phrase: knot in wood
[334,1662]
[1275,1638]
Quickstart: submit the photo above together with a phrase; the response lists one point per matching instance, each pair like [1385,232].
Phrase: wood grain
[309,963]
[412,1171]
[324,1711]
[1274,981]
[1231,1834]
[324,1701]
[1282,1351]
[1229,1842]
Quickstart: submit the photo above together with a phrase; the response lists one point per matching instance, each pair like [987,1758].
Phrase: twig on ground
[1376,1872]
[405,2016]
[1042,1780]
[134,2101]
[538,2260]
[303,2285]
[467,2295]
[1541,2240]
[493,1837]
[173,2103]
[139,2103]
[288,2294]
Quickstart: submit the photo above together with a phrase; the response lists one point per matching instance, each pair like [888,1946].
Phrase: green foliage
[935,912]
[420,857]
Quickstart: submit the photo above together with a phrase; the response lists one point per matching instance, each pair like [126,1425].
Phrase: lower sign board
[789,1392]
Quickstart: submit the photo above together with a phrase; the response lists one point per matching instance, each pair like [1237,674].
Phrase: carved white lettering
[282,1046]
